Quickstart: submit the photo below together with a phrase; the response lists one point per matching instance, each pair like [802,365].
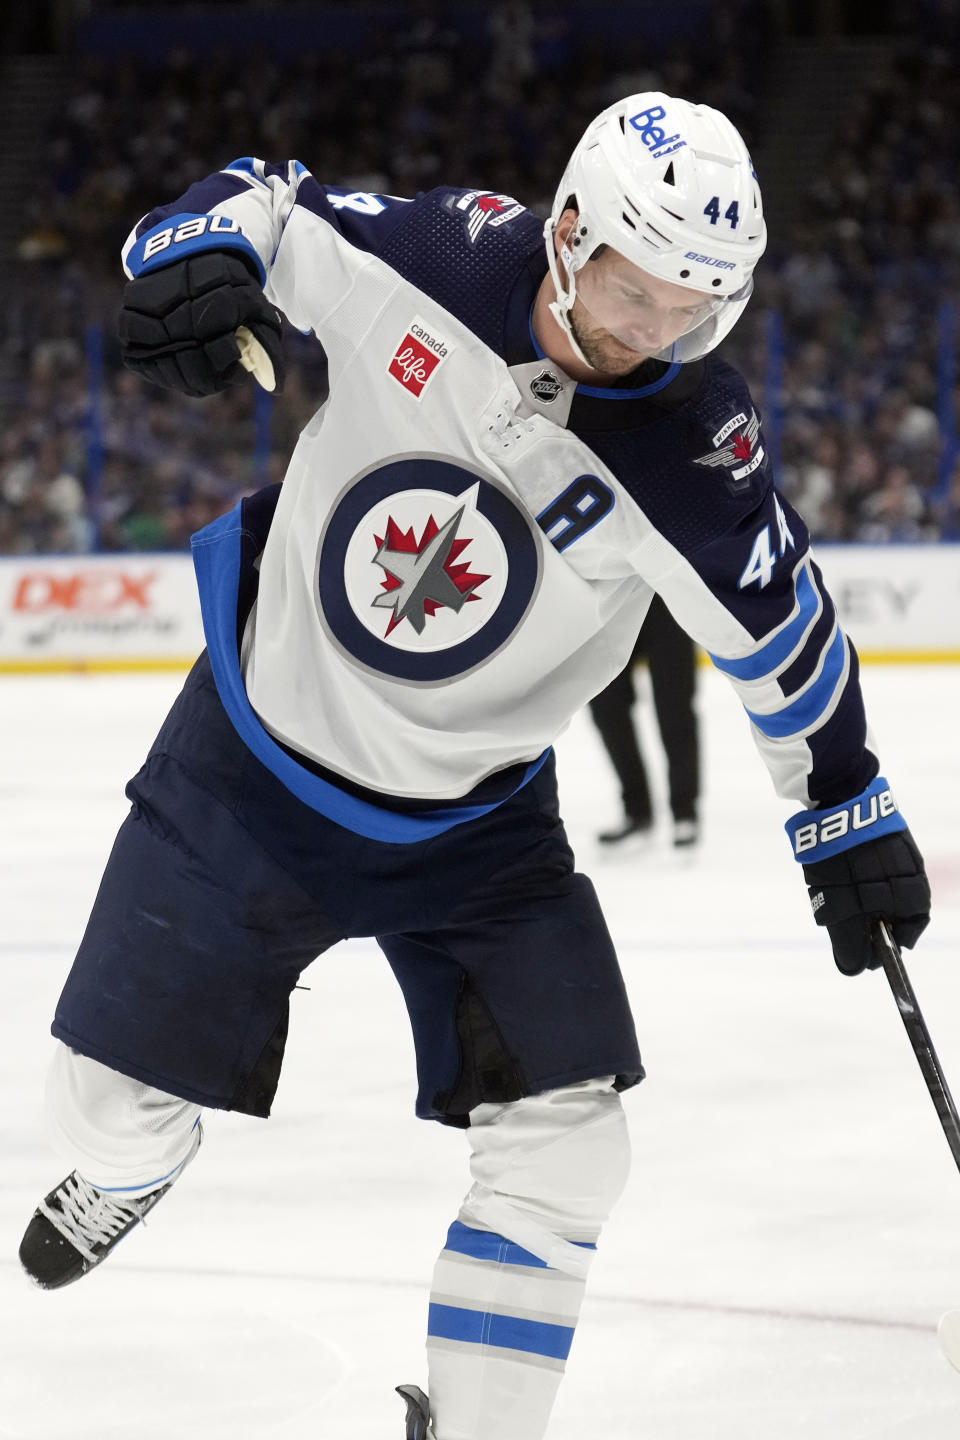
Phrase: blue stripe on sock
[478,1327]
[138,1190]
[485,1245]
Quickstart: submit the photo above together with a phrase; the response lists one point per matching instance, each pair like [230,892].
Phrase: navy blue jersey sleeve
[733,562]
[798,676]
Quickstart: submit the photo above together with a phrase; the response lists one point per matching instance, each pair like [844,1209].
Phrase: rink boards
[898,603]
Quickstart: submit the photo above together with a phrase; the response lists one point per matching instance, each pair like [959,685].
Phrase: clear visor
[642,311]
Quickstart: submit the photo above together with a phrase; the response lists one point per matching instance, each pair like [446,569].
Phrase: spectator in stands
[896,511]
[879,252]
[948,507]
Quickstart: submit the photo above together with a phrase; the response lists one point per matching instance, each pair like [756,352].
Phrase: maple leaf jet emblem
[420,579]
[740,448]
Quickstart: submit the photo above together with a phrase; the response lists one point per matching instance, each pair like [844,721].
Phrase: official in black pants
[670,655]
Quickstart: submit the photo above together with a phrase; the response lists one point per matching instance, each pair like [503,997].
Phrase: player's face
[623,315]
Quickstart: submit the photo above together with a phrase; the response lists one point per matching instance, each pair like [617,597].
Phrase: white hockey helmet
[671,187]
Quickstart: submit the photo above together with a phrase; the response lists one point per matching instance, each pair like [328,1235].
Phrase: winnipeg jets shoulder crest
[743,454]
[483,208]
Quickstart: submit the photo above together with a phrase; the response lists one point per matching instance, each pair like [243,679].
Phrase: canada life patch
[417,357]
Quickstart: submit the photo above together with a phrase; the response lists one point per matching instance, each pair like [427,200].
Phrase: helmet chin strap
[561,307]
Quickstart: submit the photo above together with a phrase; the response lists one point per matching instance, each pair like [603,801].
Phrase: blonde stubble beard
[608,356]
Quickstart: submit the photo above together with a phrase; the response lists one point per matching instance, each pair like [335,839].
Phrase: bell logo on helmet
[652,135]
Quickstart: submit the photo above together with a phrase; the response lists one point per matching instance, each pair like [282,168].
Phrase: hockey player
[517,451]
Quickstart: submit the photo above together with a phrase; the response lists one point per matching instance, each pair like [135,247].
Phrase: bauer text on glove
[861,865]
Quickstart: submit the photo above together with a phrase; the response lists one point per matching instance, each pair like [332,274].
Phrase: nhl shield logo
[545,387]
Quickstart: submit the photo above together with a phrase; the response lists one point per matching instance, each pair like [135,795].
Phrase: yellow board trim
[62,665]
[909,657]
[94,666]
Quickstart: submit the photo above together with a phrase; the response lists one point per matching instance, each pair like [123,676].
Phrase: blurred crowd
[92,458]
[866,292]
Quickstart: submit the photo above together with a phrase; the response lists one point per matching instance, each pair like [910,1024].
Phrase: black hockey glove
[861,866]
[177,325]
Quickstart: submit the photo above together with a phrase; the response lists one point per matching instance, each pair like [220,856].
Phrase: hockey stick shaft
[919,1035]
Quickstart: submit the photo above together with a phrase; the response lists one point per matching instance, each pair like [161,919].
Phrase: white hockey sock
[120,1135]
[500,1327]
[508,1286]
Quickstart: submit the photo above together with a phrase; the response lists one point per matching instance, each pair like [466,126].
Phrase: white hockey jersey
[466,541]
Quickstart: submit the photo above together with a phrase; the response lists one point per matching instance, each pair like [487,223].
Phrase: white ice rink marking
[791,1231]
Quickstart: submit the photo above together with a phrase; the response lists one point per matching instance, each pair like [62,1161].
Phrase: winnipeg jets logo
[421,577]
[425,568]
[484,208]
[743,451]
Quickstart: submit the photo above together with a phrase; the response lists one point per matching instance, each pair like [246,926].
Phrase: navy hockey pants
[222,887]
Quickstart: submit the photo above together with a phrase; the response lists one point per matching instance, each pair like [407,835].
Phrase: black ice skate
[77,1226]
[632,827]
[685,833]
[418,1413]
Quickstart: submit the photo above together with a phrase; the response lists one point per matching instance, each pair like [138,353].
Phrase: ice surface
[791,1231]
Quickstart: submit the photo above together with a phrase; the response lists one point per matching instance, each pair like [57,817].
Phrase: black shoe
[418,1413]
[77,1226]
[632,825]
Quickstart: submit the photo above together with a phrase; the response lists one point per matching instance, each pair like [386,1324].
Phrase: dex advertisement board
[98,612]
[140,612]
